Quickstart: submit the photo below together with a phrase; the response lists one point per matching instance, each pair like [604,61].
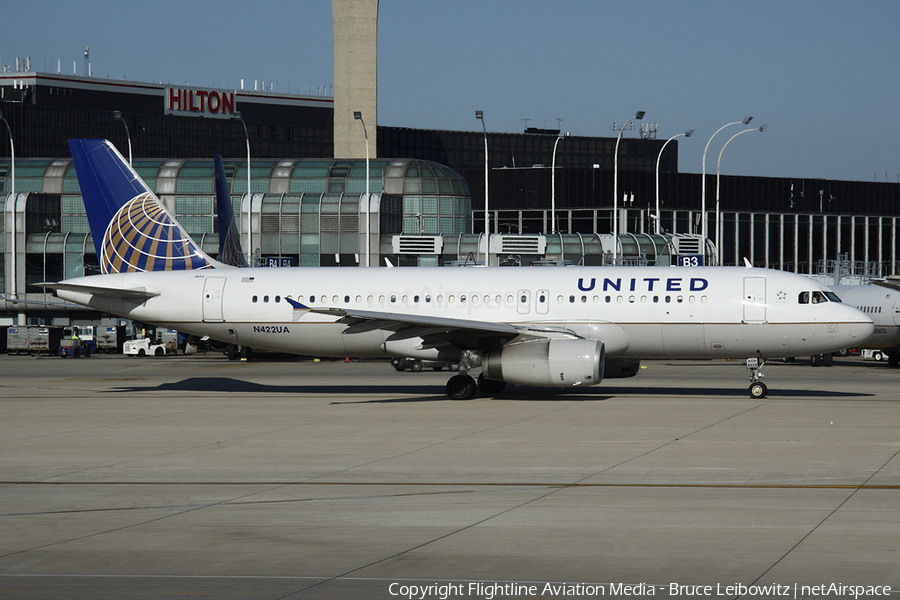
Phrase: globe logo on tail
[142,236]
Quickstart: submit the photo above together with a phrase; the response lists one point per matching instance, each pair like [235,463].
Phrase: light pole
[703,177]
[118,116]
[487,219]
[658,158]
[358,116]
[237,115]
[639,115]
[719,164]
[553,185]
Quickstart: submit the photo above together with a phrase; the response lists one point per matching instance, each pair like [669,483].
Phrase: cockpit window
[817,297]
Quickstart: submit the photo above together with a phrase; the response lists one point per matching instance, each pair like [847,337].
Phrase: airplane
[549,327]
[881,301]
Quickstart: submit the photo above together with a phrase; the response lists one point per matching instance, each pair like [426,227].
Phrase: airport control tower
[355,76]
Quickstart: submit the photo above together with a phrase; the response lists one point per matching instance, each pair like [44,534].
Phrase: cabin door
[212,299]
[754,299]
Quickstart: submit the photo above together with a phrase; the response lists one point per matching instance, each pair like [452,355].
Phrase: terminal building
[306,205]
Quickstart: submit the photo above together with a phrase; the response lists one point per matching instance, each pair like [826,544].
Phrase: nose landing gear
[757,388]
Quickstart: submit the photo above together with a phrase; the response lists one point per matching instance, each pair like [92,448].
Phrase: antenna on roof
[87,61]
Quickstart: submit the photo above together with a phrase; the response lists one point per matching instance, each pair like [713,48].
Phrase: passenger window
[265,298]
[346,300]
[277,299]
[255,298]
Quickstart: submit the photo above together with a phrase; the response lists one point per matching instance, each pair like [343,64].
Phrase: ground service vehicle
[143,347]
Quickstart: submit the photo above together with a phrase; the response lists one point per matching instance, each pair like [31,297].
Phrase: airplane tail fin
[230,251]
[131,228]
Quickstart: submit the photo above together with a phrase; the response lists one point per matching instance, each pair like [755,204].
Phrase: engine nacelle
[547,363]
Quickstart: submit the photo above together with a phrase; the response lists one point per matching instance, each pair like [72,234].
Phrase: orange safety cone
[347,359]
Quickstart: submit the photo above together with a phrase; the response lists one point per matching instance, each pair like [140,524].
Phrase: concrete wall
[355,76]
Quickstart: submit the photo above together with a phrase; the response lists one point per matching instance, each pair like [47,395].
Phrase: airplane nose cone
[861,331]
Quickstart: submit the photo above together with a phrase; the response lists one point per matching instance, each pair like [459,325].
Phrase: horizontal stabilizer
[96,290]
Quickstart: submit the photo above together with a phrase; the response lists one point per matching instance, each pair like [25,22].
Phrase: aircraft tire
[828,360]
[815,360]
[758,389]
[461,387]
[491,387]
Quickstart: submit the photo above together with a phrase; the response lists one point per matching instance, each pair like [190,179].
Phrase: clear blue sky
[823,74]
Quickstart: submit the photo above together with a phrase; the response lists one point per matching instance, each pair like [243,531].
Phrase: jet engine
[547,363]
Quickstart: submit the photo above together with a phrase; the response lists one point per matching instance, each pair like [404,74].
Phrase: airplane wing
[136,294]
[436,331]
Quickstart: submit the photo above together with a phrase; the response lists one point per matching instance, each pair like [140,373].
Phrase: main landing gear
[757,388]
[463,386]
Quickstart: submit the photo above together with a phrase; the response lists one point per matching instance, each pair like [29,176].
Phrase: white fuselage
[882,305]
[639,312]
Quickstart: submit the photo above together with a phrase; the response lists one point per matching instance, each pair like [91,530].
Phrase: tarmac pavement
[279,478]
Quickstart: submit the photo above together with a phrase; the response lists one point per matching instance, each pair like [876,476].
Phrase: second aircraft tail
[230,251]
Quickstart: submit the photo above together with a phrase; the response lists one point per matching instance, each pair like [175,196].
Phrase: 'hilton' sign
[192,102]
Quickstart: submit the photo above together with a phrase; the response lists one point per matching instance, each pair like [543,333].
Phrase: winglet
[747,263]
[297,305]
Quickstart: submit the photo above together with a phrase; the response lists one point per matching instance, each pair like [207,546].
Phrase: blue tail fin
[230,251]
[132,230]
